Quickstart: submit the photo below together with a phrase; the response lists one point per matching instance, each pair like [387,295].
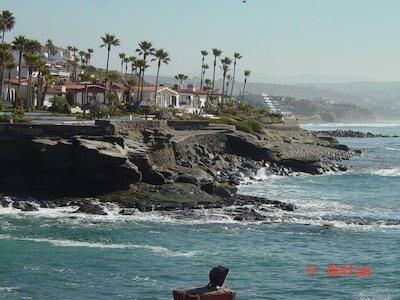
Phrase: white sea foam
[390,172]
[71,243]
[8,289]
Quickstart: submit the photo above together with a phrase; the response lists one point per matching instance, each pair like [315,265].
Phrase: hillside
[381,98]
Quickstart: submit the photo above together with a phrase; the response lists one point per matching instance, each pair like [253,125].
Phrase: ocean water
[342,241]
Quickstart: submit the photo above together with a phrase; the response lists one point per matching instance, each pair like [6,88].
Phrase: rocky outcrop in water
[352,134]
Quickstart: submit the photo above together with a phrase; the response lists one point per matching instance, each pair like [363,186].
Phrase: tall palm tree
[43,71]
[208,82]
[7,21]
[51,49]
[228,78]
[133,60]
[108,41]
[205,67]
[4,50]
[126,60]
[141,65]
[32,60]
[181,77]
[9,65]
[6,58]
[69,48]
[47,77]
[82,58]
[122,57]
[89,55]
[145,48]
[85,77]
[113,78]
[236,56]
[246,74]
[216,53]
[225,68]
[162,57]
[204,53]
[20,43]
[130,83]
[74,63]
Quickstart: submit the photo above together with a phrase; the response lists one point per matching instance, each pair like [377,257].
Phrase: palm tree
[109,40]
[85,77]
[43,71]
[181,78]
[246,74]
[228,78]
[122,57]
[10,64]
[130,83]
[51,49]
[74,63]
[20,43]
[6,60]
[225,68]
[205,67]
[142,66]
[236,56]
[46,75]
[4,51]
[133,60]
[89,55]
[113,78]
[69,48]
[162,57]
[204,53]
[216,53]
[126,60]
[145,48]
[82,58]
[32,60]
[208,82]
[7,21]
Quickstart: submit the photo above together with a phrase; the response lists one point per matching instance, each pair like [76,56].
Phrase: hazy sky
[280,40]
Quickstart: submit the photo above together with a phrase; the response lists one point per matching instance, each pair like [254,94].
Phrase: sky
[280,41]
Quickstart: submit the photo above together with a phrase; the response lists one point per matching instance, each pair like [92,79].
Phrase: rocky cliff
[111,156]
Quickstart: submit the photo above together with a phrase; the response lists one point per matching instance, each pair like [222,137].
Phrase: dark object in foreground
[217,276]
[212,291]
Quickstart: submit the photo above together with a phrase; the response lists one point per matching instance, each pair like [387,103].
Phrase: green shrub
[59,105]
[18,115]
[247,125]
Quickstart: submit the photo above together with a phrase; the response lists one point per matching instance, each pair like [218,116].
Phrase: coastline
[155,165]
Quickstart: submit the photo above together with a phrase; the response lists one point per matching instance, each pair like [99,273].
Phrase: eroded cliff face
[39,160]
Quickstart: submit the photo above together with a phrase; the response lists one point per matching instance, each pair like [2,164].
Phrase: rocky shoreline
[156,165]
[354,134]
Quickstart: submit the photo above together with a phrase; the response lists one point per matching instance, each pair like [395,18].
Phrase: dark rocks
[351,133]
[221,190]
[214,159]
[91,208]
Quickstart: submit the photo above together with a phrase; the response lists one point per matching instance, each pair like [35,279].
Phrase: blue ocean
[342,241]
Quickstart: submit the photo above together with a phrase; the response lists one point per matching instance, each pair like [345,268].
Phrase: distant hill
[381,98]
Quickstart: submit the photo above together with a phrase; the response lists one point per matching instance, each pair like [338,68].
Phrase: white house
[188,100]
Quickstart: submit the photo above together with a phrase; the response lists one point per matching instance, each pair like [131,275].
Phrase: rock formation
[84,161]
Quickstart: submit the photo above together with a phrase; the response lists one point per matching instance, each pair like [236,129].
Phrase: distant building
[277,105]
[327,100]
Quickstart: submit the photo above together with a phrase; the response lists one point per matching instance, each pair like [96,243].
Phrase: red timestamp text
[347,270]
